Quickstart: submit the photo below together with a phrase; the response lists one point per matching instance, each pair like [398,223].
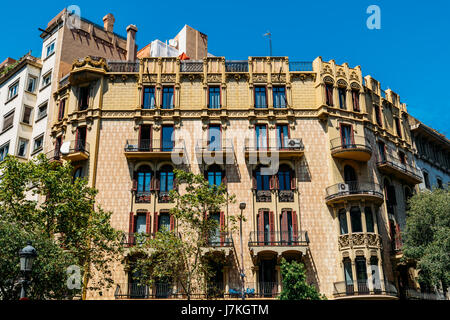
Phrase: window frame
[150,106]
[4,147]
[35,79]
[5,117]
[47,75]
[25,152]
[41,136]
[39,116]
[15,85]
[52,46]
[265,96]
[163,97]
[276,92]
[214,87]
[30,116]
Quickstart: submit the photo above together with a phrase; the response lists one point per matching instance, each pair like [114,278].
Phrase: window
[50,49]
[78,173]
[167,138]
[284,177]
[214,137]
[214,175]
[369,219]
[8,121]
[141,223]
[397,127]
[31,86]
[26,118]
[355,100]
[382,151]
[347,138]
[282,136]
[343,221]
[4,151]
[80,141]
[167,97]
[329,94]
[145,138]
[42,111]
[164,222]
[22,148]
[12,91]
[361,274]
[378,115]
[46,79]
[348,275]
[261,136]
[355,217]
[83,98]
[426,179]
[166,179]
[260,97]
[439,183]
[38,143]
[342,93]
[262,181]
[62,106]
[214,97]
[279,97]
[402,157]
[148,101]
[143,182]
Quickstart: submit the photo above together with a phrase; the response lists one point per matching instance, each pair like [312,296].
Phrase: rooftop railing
[300,66]
[123,66]
[191,66]
[236,66]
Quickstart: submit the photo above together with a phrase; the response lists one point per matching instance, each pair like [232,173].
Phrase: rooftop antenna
[270,40]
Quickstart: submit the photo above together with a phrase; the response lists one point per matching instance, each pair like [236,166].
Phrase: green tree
[179,256]
[65,213]
[295,287]
[427,236]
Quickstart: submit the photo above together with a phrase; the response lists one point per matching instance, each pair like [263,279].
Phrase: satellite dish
[65,148]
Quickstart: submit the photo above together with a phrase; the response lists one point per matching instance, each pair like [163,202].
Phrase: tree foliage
[295,287]
[178,256]
[64,213]
[427,236]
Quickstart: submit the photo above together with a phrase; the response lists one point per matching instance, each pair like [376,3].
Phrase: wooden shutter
[260,231]
[284,226]
[254,183]
[272,183]
[224,178]
[156,184]
[155,223]
[293,180]
[222,227]
[148,219]
[295,226]
[272,227]
[172,223]
[352,136]
[131,229]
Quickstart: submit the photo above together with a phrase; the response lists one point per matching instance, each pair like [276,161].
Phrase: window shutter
[224,179]
[152,183]
[135,185]
[172,223]
[293,180]
[222,227]
[155,223]
[352,135]
[260,231]
[156,184]
[284,226]
[254,183]
[272,182]
[295,225]
[272,227]
[148,219]
[131,229]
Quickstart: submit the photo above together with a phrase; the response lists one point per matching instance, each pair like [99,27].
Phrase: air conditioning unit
[294,144]
[343,187]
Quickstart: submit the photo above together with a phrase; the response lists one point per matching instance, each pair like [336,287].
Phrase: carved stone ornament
[328,80]
[342,83]
[327,69]
[340,73]
[354,76]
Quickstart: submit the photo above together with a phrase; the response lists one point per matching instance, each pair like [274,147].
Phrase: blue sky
[409,54]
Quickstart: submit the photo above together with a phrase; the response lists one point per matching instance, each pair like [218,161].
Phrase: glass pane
[167,140]
[164,222]
[355,215]
[348,272]
[214,138]
[343,222]
[369,219]
[141,224]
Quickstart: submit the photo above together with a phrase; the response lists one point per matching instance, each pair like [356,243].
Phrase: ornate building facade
[341,148]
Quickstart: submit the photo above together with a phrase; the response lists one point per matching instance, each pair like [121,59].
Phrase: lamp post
[242,206]
[27,256]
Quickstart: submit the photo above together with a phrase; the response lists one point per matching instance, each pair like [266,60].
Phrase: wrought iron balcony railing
[399,166]
[143,197]
[278,238]
[351,188]
[362,287]
[79,146]
[140,291]
[129,239]
[285,195]
[263,196]
[164,197]
[291,144]
[300,66]
[123,66]
[236,66]
[220,239]
[355,142]
[154,145]
[54,155]
[191,66]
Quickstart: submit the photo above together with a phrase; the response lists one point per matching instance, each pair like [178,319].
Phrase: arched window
[144,178]
[166,178]
[355,217]
[343,221]
[284,177]
[214,175]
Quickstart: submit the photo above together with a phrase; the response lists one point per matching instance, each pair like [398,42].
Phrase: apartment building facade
[342,147]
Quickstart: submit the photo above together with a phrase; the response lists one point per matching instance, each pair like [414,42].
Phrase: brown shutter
[254,183]
[156,184]
[148,219]
[172,223]
[155,223]
[295,225]
[293,180]
[260,231]
[224,179]
[352,137]
[222,227]
[272,227]
[131,229]
[284,225]
[135,185]
[272,182]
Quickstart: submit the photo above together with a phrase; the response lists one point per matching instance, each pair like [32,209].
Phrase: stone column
[277,268]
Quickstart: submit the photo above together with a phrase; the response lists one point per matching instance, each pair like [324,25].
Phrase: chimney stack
[108,22]
[131,42]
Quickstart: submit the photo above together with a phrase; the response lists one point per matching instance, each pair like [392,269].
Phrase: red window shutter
[135,185]
[284,225]
[293,180]
[254,184]
[222,227]
[172,223]
[295,225]
[260,231]
[131,229]
[272,182]
[155,223]
[148,219]
[272,227]
[352,135]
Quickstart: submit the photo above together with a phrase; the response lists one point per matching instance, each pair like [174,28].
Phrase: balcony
[236,66]
[263,196]
[209,153]
[278,242]
[363,289]
[360,240]
[164,197]
[143,197]
[357,149]
[154,149]
[220,241]
[53,156]
[354,190]
[78,151]
[258,152]
[389,164]
[191,66]
[129,239]
[285,196]
[139,291]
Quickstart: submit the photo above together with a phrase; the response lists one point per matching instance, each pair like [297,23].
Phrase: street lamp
[27,256]
[242,206]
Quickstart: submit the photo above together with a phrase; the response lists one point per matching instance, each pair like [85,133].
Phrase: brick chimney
[108,22]
[131,42]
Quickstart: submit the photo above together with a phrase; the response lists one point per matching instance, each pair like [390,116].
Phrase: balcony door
[266,227]
[347,138]
[145,136]
[80,141]
[136,290]
[215,236]
[348,276]
[282,136]
[164,221]
[382,151]
[167,139]
[267,278]
[214,138]
[350,178]
[287,227]
[261,137]
[361,275]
